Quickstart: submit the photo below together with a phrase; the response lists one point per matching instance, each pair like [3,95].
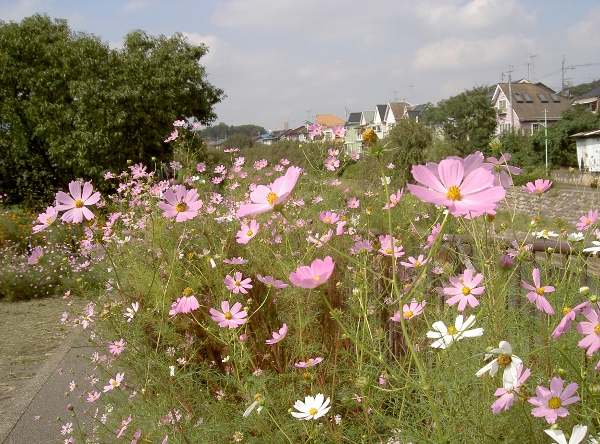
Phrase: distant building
[588,150]
[591,100]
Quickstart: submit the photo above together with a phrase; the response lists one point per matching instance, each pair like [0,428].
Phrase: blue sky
[285,61]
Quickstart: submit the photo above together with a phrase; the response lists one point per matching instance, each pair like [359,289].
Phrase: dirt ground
[30,331]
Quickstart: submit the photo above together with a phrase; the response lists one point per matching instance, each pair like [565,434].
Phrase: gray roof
[588,95]
[353,119]
[532,109]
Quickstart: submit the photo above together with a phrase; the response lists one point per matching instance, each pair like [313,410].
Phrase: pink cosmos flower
[309,363]
[237,284]
[465,287]
[507,392]
[117,347]
[174,135]
[182,204]
[468,195]
[93,396]
[591,329]
[394,199]
[314,275]
[409,311]
[415,263]
[35,256]
[235,261]
[362,246]
[278,336]
[389,247]
[76,205]
[564,326]
[536,295]
[537,187]
[338,131]
[353,202]
[230,317]
[586,222]
[184,304]
[201,167]
[247,232]
[270,280]
[329,217]
[315,129]
[431,238]
[549,403]
[114,383]
[501,170]
[266,198]
[46,219]
[331,163]
[179,123]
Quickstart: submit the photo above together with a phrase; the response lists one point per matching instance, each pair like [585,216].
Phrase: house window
[504,128]
[535,127]
[502,106]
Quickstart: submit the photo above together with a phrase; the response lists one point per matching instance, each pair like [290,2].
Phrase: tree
[72,107]
[409,140]
[222,131]
[237,141]
[467,120]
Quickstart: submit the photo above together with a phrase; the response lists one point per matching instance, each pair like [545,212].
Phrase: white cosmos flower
[311,408]
[595,249]
[545,234]
[505,359]
[575,237]
[578,435]
[446,335]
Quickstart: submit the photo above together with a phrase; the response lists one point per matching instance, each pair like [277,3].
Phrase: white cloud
[583,35]
[136,5]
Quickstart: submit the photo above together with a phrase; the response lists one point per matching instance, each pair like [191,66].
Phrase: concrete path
[33,416]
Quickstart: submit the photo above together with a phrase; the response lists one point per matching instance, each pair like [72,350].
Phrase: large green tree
[72,107]
[467,120]
[408,140]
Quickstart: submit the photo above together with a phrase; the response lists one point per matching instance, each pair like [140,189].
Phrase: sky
[286,61]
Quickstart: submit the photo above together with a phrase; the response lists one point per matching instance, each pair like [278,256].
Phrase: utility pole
[546,137]
[410,91]
[532,62]
[512,115]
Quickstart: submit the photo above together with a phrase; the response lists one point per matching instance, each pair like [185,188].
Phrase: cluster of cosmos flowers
[466,188]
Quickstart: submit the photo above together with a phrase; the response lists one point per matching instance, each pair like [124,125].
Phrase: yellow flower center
[271,197]
[78,203]
[181,207]
[587,222]
[228,315]
[249,233]
[504,360]
[327,220]
[313,411]
[417,264]
[388,251]
[453,193]
[554,402]
[452,330]
[238,284]
[48,221]
[597,329]
[567,310]
[466,291]
[540,291]
[191,256]
[316,278]
[188,292]
[409,314]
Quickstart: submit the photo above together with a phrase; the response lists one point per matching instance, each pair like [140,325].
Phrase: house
[415,112]
[588,150]
[266,139]
[328,121]
[590,99]
[394,112]
[378,124]
[525,107]
[351,142]
[299,134]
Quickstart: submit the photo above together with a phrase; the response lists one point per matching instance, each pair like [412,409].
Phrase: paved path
[45,396]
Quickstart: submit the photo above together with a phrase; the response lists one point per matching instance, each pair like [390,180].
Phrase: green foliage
[583,88]
[71,107]
[409,141]
[224,131]
[237,141]
[467,120]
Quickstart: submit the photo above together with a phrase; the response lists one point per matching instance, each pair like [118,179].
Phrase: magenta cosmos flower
[464,288]
[549,403]
[507,392]
[247,232]
[536,294]
[183,204]
[81,195]
[315,129]
[564,326]
[46,219]
[278,336]
[329,217]
[501,170]
[591,329]
[586,222]
[338,131]
[309,363]
[185,304]
[409,311]
[237,284]
[415,263]
[471,195]
[266,197]
[537,187]
[270,280]
[230,317]
[314,275]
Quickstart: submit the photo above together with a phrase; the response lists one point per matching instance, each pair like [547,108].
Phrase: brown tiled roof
[398,108]
[534,110]
[329,120]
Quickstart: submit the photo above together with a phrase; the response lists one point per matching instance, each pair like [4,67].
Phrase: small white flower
[446,335]
[171,370]
[575,237]
[545,234]
[311,408]
[595,249]
[386,181]
[578,435]
[505,359]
